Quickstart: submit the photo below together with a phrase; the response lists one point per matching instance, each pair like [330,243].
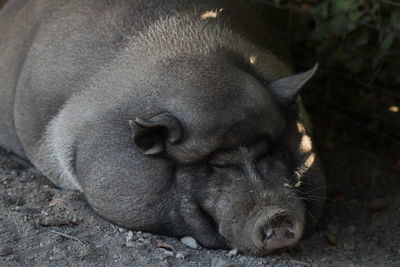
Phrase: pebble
[179,255]
[348,245]
[129,236]
[56,257]
[218,262]
[330,239]
[133,244]
[377,205]
[168,252]
[242,259]
[145,241]
[232,252]
[190,242]
[139,243]
[5,251]
[351,229]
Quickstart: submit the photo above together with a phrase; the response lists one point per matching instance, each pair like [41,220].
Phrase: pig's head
[246,174]
[212,150]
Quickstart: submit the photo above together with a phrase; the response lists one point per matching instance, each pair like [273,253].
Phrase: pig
[174,117]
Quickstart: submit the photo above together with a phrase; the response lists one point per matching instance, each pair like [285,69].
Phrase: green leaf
[387,42]
[344,6]
[277,2]
[322,29]
[342,55]
[360,37]
[355,65]
[322,9]
[395,19]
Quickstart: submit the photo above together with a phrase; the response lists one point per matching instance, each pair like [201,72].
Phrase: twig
[359,81]
[68,236]
[390,2]
[358,124]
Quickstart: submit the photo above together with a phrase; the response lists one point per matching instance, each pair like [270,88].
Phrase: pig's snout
[277,229]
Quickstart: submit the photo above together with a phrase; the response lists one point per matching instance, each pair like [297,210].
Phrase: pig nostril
[268,233]
[289,234]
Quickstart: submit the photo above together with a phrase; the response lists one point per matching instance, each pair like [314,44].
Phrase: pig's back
[50,51]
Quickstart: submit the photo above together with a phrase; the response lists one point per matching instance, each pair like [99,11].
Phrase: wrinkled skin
[165,124]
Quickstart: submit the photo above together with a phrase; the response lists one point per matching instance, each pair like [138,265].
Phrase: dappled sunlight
[252,59]
[305,143]
[394,109]
[303,169]
[211,14]
[296,185]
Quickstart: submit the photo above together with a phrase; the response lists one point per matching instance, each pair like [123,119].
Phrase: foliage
[357,43]
[364,35]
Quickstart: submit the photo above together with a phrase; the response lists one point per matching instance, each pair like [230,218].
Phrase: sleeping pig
[174,117]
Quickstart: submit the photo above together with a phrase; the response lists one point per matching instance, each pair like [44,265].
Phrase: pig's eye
[216,163]
[226,166]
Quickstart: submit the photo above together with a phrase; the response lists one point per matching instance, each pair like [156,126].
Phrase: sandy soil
[41,225]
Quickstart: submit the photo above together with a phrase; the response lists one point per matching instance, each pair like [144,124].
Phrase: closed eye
[234,167]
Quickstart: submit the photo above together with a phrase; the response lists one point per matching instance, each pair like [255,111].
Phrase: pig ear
[151,135]
[285,89]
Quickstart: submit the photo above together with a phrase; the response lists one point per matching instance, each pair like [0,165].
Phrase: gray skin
[174,117]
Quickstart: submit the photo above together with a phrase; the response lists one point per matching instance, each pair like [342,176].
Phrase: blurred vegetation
[355,99]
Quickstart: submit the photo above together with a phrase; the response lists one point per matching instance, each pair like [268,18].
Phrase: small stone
[143,240]
[146,235]
[232,252]
[190,242]
[55,201]
[218,262]
[351,229]
[56,257]
[131,244]
[129,236]
[5,251]
[179,255]
[348,245]
[121,230]
[330,239]
[168,252]
[377,205]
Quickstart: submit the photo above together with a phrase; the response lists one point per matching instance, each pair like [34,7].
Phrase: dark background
[354,100]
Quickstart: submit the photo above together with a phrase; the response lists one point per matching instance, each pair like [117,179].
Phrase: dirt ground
[41,225]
